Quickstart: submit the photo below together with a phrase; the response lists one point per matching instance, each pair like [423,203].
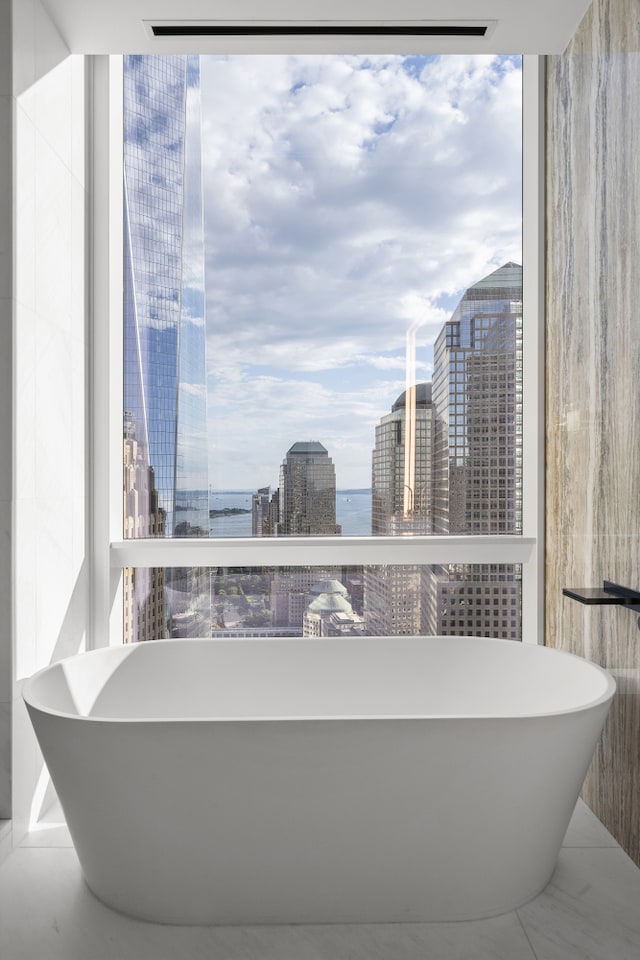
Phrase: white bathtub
[312,781]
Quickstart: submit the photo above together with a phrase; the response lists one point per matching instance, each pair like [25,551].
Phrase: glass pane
[470,600]
[322,295]
[322,321]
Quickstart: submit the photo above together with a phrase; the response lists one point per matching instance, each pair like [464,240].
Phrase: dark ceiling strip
[315,30]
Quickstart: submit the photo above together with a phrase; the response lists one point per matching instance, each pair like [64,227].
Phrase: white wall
[50,595]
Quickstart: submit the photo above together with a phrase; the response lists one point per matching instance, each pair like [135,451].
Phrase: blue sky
[345,200]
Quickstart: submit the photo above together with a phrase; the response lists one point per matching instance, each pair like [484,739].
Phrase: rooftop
[307,446]
[508,277]
[423,397]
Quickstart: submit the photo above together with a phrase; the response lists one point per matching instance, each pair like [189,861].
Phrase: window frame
[110,554]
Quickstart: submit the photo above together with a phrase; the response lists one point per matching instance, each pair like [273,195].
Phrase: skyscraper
[164,333]
[448,460]
[307,492]
[477,473]
[402,499]
[165,344]
[477,396]
[402,462]
[144,590]
[265,511]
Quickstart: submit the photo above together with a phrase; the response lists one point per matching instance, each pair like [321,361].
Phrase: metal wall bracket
[610,593]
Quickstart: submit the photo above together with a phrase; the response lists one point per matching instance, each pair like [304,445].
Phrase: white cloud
[345,201]
[249,441]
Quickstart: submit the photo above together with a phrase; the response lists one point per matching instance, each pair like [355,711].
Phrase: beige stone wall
[593,377]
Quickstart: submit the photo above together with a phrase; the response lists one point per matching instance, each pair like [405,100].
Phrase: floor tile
[48,835]
[585,830]
[589,911]
[50,831]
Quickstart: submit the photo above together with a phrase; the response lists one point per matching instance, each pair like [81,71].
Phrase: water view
[353,513]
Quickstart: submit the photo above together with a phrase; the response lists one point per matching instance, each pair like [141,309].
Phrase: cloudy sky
[346,200]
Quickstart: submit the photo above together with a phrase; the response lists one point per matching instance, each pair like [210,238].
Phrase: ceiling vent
[201,29]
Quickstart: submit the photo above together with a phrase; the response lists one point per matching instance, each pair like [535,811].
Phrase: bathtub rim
[33,703]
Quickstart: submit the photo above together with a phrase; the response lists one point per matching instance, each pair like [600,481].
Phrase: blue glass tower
[164,328]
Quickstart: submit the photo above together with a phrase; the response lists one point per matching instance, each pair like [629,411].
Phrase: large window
[325,339]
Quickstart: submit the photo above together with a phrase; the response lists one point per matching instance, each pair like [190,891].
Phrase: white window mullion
[533,344]
[105,362]
[320,551]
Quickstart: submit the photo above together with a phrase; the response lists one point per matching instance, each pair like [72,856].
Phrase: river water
[353,512]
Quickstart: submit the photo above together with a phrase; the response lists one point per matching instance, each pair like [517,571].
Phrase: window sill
[320,551]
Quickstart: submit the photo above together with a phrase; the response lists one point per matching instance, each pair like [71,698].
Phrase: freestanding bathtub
[317,781]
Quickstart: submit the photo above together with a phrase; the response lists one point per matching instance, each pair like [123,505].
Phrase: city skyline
[448,460]
[348,202]
[444,460]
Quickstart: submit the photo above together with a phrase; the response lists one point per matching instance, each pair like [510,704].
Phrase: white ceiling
[118,26]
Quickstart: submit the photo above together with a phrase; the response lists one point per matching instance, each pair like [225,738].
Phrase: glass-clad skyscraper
[401,497]
[307,492]
[477,397]
[477,400]
[402,464]
[164,329]
[165,415]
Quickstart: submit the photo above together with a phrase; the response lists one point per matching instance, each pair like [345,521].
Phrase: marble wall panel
[593,377]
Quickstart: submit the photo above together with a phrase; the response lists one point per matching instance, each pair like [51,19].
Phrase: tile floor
[589,911]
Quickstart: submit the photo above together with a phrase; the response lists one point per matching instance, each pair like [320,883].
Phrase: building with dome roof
[330,587]
[330,613]
[402,462]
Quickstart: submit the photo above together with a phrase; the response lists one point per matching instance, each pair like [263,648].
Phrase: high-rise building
[303,505]
[448,460]
[165,344]
[402,498]
[307,492]
[144,589]
[477,470]
[164,333]
[265,512]
[477,398]
[402,462]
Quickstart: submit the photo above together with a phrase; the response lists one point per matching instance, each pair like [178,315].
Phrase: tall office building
[402,461]
[307,492]
[303,505]
[477,396]
[477,470]
[164,333]
[144,589]
[265,512]
[402,498]
[165,346]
